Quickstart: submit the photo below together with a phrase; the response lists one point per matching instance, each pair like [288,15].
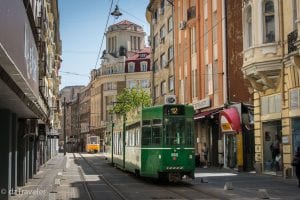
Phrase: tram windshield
[93,140]
[178,131]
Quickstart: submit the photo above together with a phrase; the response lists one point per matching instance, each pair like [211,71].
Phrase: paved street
[86,177]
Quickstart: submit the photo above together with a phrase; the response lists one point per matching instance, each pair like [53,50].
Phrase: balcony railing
[191,12]
[292,39]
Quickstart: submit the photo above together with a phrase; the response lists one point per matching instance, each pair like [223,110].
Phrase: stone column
[14,168]
[5,150]
[21,152]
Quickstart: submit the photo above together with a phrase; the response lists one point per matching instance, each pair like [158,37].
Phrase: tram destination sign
[174,110]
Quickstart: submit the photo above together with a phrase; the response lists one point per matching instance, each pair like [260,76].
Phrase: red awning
[206,113]
[230,120]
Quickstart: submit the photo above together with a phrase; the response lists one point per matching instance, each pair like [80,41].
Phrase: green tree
[130,99]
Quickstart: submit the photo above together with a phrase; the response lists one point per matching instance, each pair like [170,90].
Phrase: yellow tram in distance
[92,144]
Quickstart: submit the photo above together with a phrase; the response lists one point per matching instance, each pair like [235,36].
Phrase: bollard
[262,194]
[228,186]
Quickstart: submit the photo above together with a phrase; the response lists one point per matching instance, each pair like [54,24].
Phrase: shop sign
[285,139]
[204,103]
[225,125]
[18,48]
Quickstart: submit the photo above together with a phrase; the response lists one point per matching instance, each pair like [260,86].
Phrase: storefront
[207,131]
[232,138]
[295,133]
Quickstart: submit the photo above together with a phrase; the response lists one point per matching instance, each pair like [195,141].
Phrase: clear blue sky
[82,25]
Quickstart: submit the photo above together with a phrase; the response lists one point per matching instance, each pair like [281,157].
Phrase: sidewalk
[43,184]
[246,184]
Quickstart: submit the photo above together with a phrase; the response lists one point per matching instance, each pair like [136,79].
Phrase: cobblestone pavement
[61,179]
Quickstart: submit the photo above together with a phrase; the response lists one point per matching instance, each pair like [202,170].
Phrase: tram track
[105,180]
[181,190]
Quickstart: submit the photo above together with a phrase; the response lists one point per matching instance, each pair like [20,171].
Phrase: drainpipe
[225,54]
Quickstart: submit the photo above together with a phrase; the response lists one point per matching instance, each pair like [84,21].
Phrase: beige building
[160,17]
[271,64]
[125,64]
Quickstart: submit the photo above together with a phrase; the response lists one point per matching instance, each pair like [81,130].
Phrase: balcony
[263,75]
[292,39]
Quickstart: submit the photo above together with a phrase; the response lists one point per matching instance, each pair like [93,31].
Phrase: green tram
[158,144]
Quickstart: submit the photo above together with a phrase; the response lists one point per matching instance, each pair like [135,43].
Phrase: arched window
[248,27]
[269,21]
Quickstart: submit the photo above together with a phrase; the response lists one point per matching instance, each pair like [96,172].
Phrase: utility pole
[65,139]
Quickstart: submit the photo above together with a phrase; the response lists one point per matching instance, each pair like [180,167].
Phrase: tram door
[230,150]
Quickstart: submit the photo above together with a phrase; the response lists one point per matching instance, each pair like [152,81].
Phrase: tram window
[156,135]
[146,122]
[156,121]
[146,135]
[175,131]
[189,134]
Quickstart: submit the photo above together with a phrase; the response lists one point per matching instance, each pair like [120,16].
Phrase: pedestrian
[205,154]
[275,150]
[296,164]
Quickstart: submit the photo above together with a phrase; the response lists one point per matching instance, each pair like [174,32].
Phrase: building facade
[125,64]
[30,51]
[159,15]
[271,64]
[207,50]
[70,117]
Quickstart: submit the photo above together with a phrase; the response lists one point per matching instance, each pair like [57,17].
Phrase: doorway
[272,150]
[230,153]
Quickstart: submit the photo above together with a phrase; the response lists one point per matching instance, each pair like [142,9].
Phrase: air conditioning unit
[182,25]
[170,99]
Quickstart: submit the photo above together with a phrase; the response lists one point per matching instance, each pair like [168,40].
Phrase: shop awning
[207,113]
[230,120]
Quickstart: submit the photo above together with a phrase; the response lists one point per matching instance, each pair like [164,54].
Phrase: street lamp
[116,13]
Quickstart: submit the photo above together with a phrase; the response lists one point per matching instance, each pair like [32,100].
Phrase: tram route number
[174,154]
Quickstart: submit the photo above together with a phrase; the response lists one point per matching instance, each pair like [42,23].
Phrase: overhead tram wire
[74,74]
[110,9]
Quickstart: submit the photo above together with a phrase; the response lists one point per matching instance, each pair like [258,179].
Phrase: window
[162,32]
[163,88]
[248,27]
[170,23]
[215,75]
[294,99]
[145,84]
[155,45]
[163,61]
[143,66]
[214,24]
[170,53]
[156,135]
[171,83]
[131,67]
[132,84]
[146,136]
[269,21]
[205,33]
[271,104]
[194,83]
[193,40]
[156,91]
[156,67]
[208,80]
